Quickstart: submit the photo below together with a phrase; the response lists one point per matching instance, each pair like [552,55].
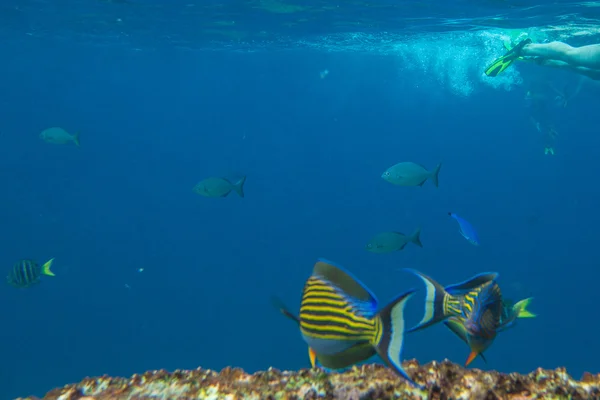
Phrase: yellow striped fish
[481,317]
[441,302]
[27,272]
[340,323]
[510,313]
[473,310]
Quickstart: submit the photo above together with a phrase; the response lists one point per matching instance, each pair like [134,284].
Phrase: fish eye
[387,173]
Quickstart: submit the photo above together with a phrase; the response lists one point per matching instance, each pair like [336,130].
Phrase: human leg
[584,56]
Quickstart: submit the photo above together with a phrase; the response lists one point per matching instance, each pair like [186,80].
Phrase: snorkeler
[549,135]
[549,138]
[584,60]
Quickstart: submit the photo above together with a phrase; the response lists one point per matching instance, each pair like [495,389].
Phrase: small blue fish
[466,229]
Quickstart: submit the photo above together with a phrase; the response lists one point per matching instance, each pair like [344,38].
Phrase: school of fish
[340,318]
[342,324]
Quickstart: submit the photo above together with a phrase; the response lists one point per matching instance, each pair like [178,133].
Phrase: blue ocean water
[312,103]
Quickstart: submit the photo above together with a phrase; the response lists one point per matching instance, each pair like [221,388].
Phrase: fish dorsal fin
[363,298]
[278,304]
[472,283]
[490,294]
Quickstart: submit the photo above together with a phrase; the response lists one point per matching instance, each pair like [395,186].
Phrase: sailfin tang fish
[444,302]
[340,323]
[480,338]
[482,311]
[27,272]
[466,229]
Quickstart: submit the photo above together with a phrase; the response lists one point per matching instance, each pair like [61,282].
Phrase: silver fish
[219,187]
[388,242]
[410,174]
[57,135]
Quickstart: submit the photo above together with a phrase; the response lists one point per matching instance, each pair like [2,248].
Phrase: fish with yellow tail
[441,302]
[473,310]
[481,317]
[341,324]
[513,311]
[26,273]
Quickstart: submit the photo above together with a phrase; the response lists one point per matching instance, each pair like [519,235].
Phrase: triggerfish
[340,322]
[27,272]
[410,174]
[466,229]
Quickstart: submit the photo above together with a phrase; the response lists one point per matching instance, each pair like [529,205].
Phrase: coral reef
[443,380]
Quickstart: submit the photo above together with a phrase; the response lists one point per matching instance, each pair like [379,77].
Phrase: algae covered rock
[442,380]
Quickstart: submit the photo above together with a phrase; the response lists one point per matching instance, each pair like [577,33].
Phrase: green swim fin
[506,60]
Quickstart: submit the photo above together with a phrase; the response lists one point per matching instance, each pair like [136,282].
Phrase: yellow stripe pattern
[468,305]
[452,305]
[325,313]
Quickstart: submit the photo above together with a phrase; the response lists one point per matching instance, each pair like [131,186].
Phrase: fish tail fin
[521,308]
[278,304]
[389,345]
[416,237]
[434,175]
[239,186]
[439,304]
[46,268]
[483,358]
[76,139]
